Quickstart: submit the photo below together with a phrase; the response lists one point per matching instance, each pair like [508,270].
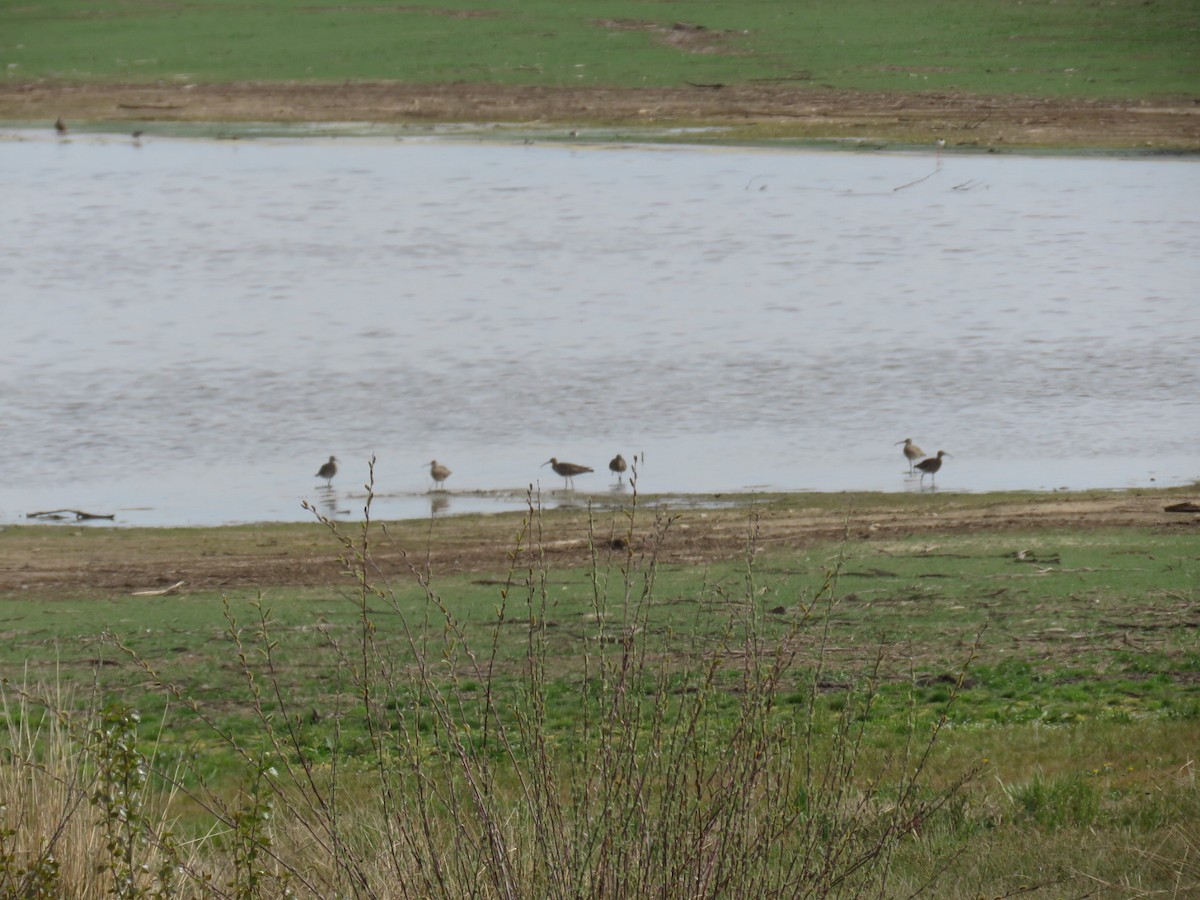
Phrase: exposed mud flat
[768,111]
[72,561]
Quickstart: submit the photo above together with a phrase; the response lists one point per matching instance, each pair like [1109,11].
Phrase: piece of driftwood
[165,592]
[1187,506]
[79,514]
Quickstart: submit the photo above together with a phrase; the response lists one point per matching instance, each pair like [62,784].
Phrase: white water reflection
[192,327]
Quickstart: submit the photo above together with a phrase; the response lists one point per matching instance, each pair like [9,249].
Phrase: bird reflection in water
[439,502]
[327,500]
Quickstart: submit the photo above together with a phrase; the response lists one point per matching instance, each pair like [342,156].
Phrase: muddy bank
[751,112]
[70,560]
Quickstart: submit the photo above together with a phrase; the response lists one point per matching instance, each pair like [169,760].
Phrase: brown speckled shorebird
[567,470]
[60,126]
[617,466]
[438,473]
[930,466]
[327,471]
[911,452]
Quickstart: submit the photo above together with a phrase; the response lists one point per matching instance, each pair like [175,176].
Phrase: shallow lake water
[191,327]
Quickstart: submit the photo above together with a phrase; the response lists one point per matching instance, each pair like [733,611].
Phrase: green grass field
[1081,627]
[1051,48]
[1030,697]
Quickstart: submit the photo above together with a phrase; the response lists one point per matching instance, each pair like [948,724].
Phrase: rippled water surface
[192,327]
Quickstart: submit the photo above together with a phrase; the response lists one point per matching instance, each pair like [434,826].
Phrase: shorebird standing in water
[911,452]
[617,466]
[60,126]
[930,466]
[327,471]
[567,470]
[438,473]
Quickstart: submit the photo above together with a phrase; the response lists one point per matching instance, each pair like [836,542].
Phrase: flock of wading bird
[440,473]
[917,461]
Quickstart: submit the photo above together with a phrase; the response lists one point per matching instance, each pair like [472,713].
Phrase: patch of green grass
[1075,627]
[1064,801]
[1068,48]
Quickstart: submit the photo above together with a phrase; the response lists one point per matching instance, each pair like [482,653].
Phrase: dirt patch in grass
[101,561]
[772,110]
[682,35]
